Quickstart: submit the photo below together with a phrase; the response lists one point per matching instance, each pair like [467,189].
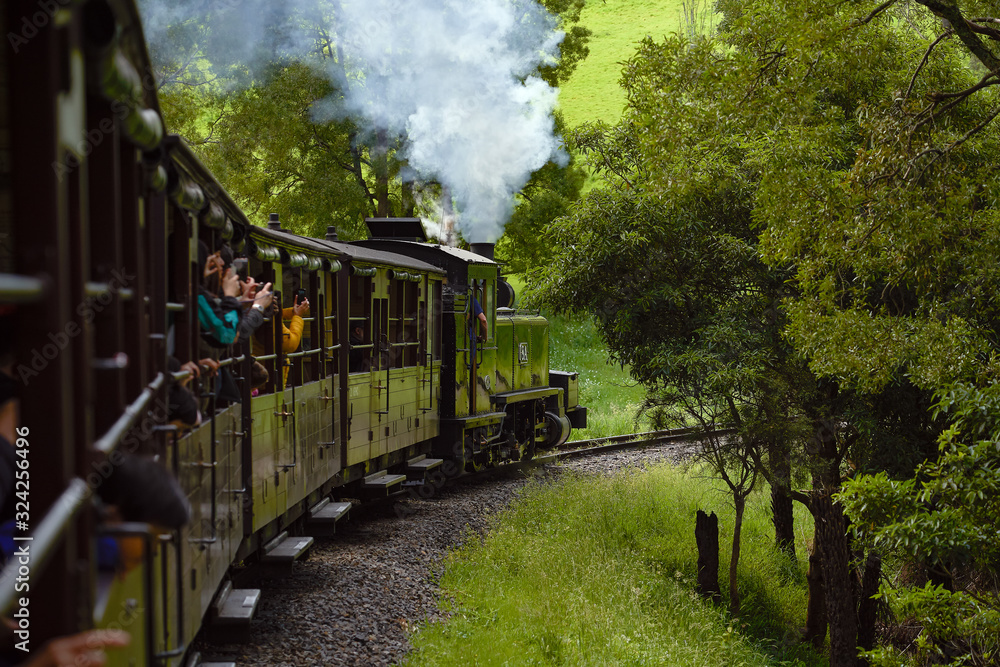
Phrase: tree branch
[948,9]
[875,12]
[927,54]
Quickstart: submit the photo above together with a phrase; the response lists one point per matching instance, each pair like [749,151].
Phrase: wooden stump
[706,535]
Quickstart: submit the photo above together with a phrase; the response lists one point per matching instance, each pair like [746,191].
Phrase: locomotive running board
[523,395]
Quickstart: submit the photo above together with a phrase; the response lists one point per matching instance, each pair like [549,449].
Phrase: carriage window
[436,305]
[299,326]
[262,345]
[328,324]
[403,324]
[490,290]
[360,339]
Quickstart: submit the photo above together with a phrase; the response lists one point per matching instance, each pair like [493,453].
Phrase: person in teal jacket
[219,316]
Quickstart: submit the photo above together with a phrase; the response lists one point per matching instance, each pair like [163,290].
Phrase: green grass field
[600,571]
[593,92]
[611,396]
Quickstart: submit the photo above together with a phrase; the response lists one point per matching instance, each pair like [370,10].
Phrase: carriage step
[286,549]
[235,606]
[195,661]
[328,512]
[382,483]
[417,468]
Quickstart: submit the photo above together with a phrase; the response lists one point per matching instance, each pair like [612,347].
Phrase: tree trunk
[706,535]
[409,203]
[816,607]
[781,499]
[734,561]
[831,528]
[380,162]
[866,605]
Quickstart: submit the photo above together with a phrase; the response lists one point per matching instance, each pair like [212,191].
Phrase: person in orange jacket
[292,333]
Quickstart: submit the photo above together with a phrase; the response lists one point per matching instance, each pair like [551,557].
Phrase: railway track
[617,442]
[584,448]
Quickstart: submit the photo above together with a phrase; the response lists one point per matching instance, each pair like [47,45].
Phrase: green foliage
[945,516]
[853,151]
[600,571]
[273,155]
[574,47]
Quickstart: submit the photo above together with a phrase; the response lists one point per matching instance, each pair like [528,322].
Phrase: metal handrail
[304,353]
[45,538]
[231,360]
[109,441]
[15,288]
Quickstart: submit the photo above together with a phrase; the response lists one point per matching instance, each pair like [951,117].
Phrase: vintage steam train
[100,218]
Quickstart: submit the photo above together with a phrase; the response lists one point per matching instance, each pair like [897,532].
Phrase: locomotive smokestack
[273,222]
[484,249]
[331,233]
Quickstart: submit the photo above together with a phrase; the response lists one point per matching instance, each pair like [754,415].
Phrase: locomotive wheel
[558,429]
[474,466]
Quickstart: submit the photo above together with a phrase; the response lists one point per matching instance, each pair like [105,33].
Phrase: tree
[870,130]
[944,516]
[681,296]
[864,194]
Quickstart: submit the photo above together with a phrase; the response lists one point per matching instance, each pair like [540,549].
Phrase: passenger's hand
[193,368]
[231,283]
[214,264]
[85,649]
[210,365]
[301,309]
[264,297]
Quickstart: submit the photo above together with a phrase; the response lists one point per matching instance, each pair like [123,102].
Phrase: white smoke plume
[451,76]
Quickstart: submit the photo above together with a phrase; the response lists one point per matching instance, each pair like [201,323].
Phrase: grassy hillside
[593,92]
